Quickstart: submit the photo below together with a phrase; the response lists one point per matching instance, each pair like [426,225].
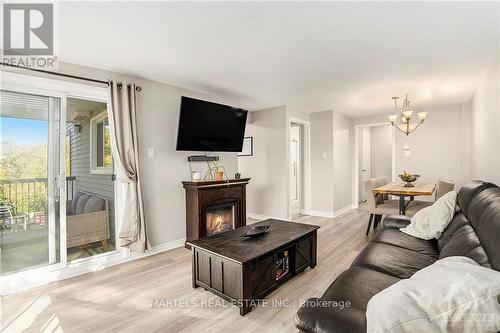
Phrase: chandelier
[402,120]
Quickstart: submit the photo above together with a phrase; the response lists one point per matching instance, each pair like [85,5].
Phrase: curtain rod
[137,88]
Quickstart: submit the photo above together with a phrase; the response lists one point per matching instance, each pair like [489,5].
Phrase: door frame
[357,129]
[29,84]
[298,170]
[306,172]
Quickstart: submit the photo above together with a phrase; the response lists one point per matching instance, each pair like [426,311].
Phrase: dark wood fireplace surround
[201,195]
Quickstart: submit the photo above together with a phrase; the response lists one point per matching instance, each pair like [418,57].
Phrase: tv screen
[207,126]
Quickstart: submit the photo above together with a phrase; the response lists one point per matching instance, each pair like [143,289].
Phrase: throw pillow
[454,294]
[431,221]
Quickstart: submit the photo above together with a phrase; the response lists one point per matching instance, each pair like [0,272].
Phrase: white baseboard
[331,215]
[342,210]
[264,217]
[318,213]
[168,246]
[16,282]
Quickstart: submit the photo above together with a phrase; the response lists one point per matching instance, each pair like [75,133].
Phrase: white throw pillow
[431,221]
[454,294]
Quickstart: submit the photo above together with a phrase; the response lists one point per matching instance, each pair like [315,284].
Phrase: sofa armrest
[322,315]
[396,221]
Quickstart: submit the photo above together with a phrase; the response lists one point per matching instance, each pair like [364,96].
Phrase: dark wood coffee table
[242,270]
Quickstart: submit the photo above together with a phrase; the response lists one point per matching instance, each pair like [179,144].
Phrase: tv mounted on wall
[206,126]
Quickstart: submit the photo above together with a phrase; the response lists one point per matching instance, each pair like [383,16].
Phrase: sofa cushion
[392,260]
[458,221]
[356,285]
[484,216]
[468,191]
[81,202]
[74,201]
[397,238]
[396,221]
[94,204]
[465,243]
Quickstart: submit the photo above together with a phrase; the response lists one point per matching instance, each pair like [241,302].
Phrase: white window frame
[94,169]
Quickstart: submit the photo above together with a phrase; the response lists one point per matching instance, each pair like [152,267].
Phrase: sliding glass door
[30,180]
[57,191]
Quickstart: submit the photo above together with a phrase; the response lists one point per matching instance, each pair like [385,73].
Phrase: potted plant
[216,171]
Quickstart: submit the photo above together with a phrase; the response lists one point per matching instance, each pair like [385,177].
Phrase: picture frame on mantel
[247,149]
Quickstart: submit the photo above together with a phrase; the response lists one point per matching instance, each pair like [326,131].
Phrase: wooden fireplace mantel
[205,183]
[202,194]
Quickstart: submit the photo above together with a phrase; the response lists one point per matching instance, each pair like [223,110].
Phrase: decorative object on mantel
[237,175]
[408,178]
[195,175]
[247,149]
[215,171]
[402,119]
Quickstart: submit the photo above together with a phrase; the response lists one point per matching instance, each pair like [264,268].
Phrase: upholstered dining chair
[442,187]
[378,204]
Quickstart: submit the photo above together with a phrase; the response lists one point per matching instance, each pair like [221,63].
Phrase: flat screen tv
[207,126]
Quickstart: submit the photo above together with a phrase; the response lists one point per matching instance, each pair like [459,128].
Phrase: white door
[294,172]
[365,160]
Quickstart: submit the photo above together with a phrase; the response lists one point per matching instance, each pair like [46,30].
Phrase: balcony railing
[28,196]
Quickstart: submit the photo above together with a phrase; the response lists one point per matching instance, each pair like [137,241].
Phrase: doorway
[296,166]
[374,155]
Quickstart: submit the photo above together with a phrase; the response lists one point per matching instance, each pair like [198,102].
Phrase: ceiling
[351,57]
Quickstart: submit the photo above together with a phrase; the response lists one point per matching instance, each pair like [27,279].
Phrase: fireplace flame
[219,222]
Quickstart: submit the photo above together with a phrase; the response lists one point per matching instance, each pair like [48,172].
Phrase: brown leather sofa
[392,255]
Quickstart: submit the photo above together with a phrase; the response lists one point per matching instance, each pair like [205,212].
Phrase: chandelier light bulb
[407,114]
[402,118]
[422,115]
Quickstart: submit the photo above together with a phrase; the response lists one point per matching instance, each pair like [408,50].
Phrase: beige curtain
[123,128]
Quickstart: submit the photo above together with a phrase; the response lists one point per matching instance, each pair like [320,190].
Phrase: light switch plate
[151,153]
[324,155]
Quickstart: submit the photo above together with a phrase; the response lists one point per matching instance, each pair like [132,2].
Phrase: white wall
[267,193]
[486,124]
[322,177]
[381,151]
[439,148]
[158,116]
[343,153]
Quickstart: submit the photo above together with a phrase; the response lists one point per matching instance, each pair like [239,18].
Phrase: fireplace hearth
[213,207]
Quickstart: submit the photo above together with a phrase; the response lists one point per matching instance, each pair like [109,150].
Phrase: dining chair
[378,204]
[443,186]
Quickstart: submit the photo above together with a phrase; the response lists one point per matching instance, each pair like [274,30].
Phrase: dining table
[400,190]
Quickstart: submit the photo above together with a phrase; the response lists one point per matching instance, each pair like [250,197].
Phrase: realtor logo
[28,29]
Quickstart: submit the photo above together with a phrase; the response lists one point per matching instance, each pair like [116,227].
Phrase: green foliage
[24,162]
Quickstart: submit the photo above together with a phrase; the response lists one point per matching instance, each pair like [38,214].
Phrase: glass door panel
[29,167]
[90,211]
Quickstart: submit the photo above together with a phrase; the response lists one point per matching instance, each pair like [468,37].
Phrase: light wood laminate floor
[121,298]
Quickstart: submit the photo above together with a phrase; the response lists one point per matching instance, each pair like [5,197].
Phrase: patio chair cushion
[81,202]
[94,204]
[74,202]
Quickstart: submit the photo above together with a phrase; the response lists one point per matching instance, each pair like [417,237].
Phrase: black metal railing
[29,195]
